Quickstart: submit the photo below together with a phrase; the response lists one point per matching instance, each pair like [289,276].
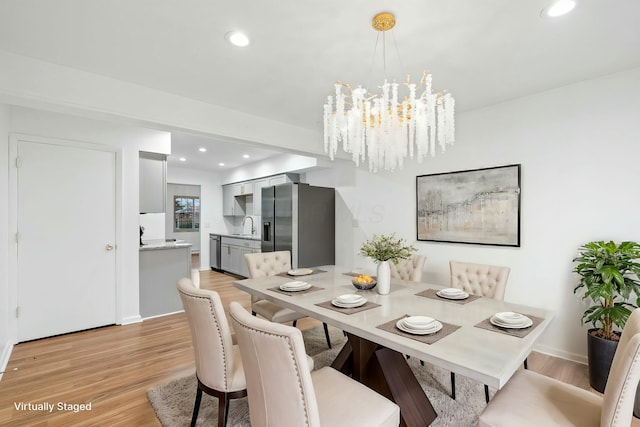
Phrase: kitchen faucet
[253,230]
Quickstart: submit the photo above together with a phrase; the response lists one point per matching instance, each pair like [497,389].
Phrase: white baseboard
[131,319]
[4,357]
[574,357]
[162,315]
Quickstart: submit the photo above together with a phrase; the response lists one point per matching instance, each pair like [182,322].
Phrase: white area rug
[173,402]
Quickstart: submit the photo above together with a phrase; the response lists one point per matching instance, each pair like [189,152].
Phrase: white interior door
[66,221]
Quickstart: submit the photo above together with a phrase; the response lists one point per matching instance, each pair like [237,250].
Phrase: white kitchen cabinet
[245,188]
[232,205]
[153,182]
[257,195]
[233,251]
[245,198]
[279,179]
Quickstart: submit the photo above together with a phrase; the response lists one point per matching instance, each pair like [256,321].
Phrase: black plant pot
[600,353]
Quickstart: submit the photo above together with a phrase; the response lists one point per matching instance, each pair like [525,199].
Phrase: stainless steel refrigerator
[299,218]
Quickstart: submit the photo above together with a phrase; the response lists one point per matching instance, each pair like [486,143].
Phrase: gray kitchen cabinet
[153,182]
[233,250]
[160,270]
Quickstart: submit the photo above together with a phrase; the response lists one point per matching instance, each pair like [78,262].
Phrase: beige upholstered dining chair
[264,264]
[282,392]
[478,279]
[195,277]
[408,269]
[532,399]
[218,364]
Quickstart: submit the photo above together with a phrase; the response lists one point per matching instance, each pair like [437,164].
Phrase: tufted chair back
[263,264]
[279,383]
[479,279]
[211,336]
[408,269]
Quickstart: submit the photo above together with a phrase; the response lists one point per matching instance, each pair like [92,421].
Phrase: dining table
[375,352]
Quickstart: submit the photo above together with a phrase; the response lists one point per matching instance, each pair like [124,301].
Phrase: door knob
[109,247]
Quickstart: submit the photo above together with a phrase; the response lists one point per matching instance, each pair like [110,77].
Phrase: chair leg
[486,393]
[295,322]
[453,386]
[223,410]
[196,407]
[526,365]
[326,334]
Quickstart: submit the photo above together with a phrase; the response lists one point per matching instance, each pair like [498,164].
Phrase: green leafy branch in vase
[386,248]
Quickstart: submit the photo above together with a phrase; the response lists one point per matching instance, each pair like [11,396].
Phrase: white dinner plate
[352,305]
[436,327]
[525,323]
[295,286]
[300,272]
[462,295]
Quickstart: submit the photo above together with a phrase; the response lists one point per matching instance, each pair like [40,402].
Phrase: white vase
[384,278]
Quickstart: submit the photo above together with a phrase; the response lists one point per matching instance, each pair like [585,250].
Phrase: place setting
[419,325]
[295,287]
[511,323]
[296,272]
[421,328]
[349,303]
[453,295]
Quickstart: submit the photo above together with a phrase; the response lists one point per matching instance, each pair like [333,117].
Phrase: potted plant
[609,275]
[383,249]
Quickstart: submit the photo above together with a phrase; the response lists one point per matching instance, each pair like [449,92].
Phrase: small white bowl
[419,321]
[349,298]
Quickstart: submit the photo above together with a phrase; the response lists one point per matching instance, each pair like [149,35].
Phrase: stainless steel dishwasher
[215,251]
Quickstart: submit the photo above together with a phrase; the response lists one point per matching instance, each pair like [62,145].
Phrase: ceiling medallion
[383,129]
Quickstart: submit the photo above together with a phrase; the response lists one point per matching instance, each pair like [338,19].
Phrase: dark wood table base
[387,372]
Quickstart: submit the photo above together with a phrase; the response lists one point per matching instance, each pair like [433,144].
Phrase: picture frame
[477,206]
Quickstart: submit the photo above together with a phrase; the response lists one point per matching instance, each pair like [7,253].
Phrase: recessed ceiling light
[182,159]
[558,8]
[220,164]
[246,156]
[237,38]
[202,150]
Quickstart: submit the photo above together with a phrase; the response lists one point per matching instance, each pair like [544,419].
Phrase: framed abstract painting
[479,206]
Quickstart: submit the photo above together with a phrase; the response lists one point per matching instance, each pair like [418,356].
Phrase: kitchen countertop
[238,236]
[155,244]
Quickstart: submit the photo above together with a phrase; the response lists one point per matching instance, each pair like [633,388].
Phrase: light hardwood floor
[112,367]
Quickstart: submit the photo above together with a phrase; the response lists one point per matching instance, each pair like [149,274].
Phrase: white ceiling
[484,52]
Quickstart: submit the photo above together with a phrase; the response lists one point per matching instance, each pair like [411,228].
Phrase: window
[186,213]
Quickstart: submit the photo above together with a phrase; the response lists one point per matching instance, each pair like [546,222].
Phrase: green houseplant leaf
[608,276]
[386,248]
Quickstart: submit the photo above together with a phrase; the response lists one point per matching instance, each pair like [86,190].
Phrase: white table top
[486,356]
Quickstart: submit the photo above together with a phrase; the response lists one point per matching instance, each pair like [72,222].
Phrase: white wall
[130,140]
[578,146]
[5,342]
[211,219]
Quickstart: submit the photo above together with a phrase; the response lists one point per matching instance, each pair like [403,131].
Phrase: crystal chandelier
[383,129]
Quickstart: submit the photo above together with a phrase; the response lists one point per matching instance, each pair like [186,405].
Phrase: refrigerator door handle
[266,231]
